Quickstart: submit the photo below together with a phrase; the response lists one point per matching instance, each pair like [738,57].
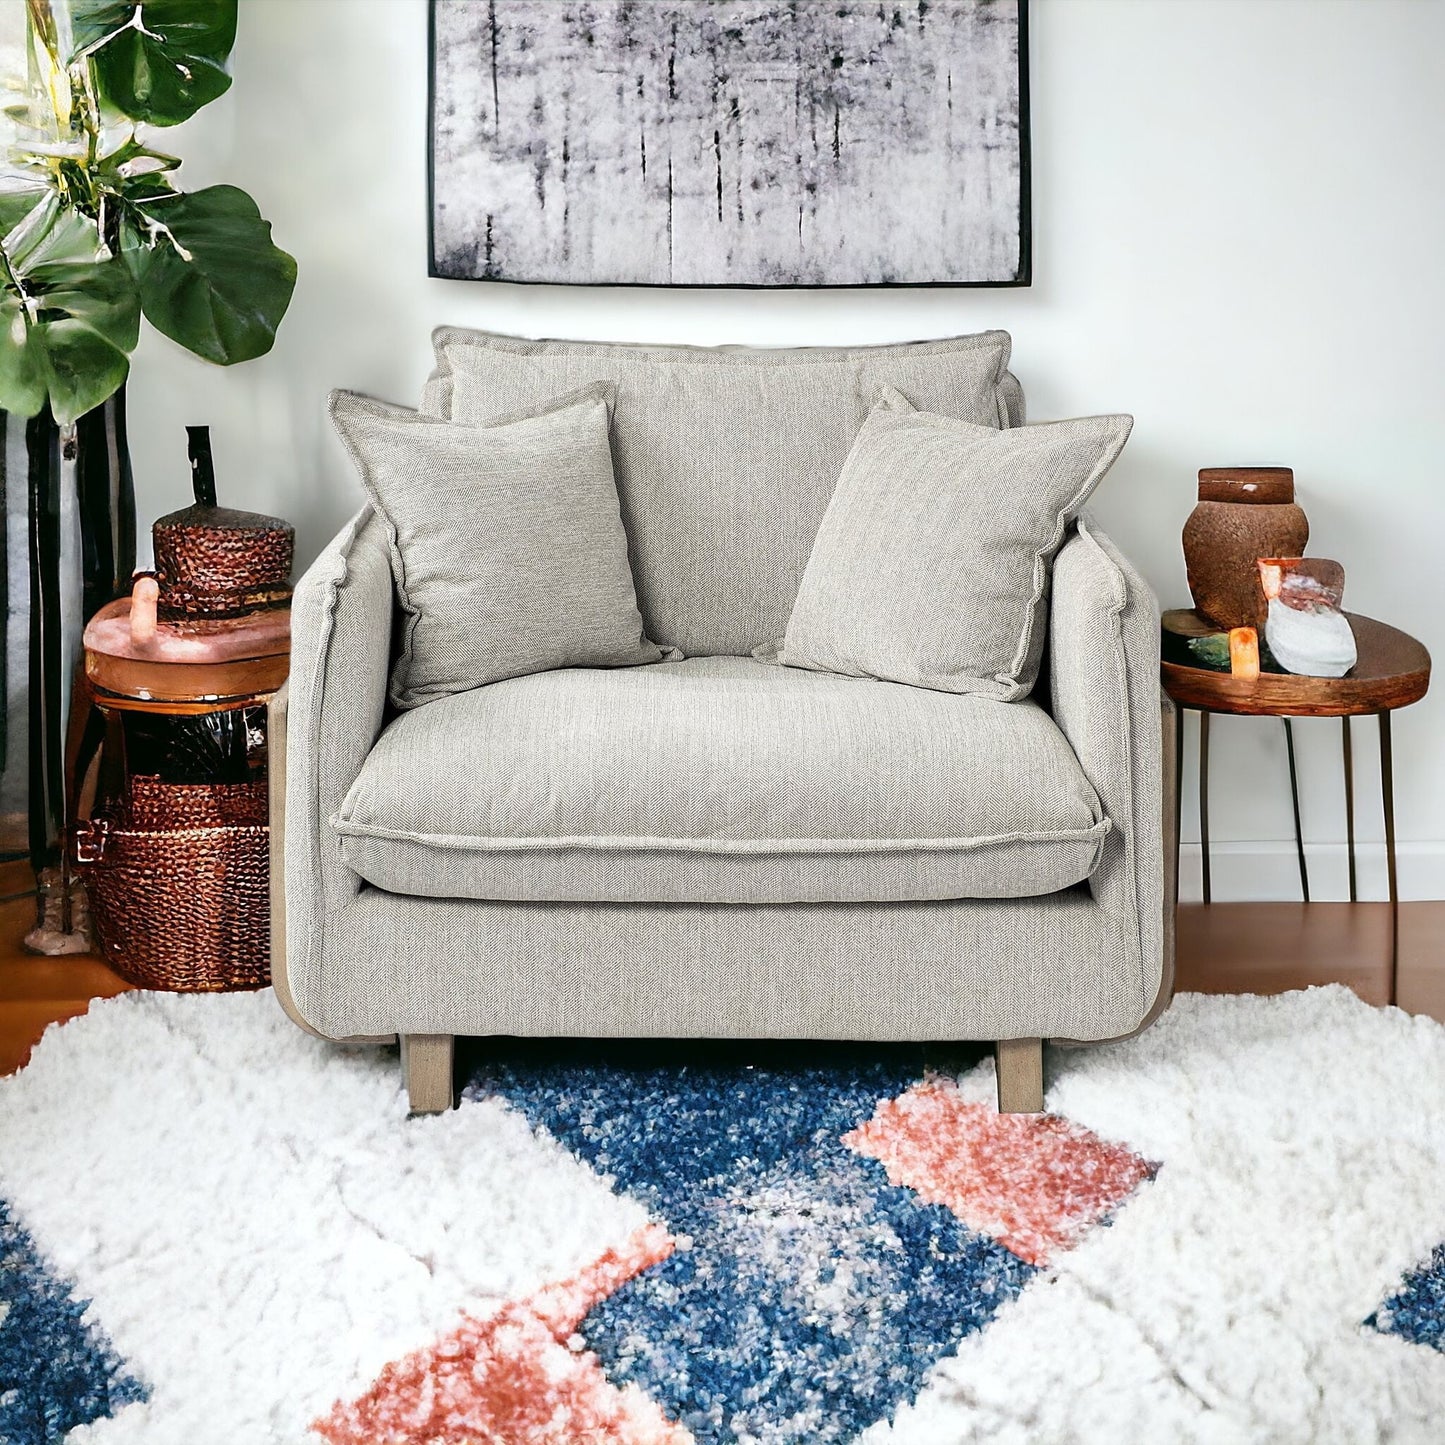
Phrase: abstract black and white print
[730,142]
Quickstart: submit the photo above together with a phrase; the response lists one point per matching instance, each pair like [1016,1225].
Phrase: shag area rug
[216,1229]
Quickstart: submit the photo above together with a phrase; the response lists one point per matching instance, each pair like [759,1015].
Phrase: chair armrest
[334,707]
[1105,696]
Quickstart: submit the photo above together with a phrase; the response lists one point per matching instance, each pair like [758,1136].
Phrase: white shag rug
[1240,1249]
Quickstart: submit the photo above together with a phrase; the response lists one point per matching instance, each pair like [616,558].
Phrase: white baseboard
[1269,871]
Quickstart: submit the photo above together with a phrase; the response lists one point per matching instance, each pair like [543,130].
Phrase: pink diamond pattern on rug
[1034,1182]
[519,1377]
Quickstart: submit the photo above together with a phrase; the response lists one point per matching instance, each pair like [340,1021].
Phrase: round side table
[1393,671]
[172,675]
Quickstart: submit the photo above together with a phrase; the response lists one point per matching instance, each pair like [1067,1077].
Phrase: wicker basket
[214,572]
[179,885]
[215,564]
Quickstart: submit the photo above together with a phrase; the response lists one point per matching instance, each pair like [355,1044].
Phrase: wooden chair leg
[1020,1066]
[426,1060]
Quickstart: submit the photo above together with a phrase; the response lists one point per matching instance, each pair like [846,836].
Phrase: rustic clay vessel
[1243,514]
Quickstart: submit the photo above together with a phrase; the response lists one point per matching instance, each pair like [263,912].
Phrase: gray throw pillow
[507,541]
[931,565]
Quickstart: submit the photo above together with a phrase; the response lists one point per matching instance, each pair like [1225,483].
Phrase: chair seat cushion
[720,780]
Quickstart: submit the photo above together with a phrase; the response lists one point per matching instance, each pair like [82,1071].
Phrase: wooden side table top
[180,674]
[1393,671]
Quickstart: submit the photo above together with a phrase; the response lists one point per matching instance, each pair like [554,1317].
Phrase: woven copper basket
[215,564]
[179,885]
[213,574]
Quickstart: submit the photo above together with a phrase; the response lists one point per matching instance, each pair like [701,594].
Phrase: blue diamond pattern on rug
[1416,1311]
[56,1370]
[808,1296]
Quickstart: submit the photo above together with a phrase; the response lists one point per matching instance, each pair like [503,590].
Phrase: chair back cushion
[725,456]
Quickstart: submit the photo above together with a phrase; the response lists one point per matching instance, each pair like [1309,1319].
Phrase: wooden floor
[1271,947]
[36,992]
[1222,948]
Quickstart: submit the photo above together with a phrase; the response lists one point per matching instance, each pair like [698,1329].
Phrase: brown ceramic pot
[1243,514]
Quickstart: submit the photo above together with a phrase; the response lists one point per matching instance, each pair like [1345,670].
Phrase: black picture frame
[1023,276]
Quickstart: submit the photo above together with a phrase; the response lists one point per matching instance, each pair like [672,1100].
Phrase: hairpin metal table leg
[1178,784]
[1350,806]
[1299,837]
[1204,798]
[1387,798]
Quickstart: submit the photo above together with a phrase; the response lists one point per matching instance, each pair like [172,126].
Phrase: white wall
[1239,236]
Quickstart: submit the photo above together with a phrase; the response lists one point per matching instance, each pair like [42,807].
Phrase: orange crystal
[1244,653]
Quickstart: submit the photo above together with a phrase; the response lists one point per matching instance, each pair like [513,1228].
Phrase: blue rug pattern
[808,1296]
[1416,1311]
[57,1371]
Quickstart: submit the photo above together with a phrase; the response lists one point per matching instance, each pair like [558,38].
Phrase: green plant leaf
[16,206]
[92,21]
[134,158]
[68,337]
[149,186]
[210,277]
[23,382]
[52,234]
[159,61]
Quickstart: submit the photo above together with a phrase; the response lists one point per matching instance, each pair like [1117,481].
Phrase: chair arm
[1103,653]
[335,705]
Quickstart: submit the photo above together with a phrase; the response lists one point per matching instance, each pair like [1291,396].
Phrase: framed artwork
[730,142]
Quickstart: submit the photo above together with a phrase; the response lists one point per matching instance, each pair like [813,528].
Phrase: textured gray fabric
[725,456]
[1056,966]
[437,389]
[341,623]
[1013,400]
[1080,964]
[720,780]
[1104,694]
[508,548]
[931,565]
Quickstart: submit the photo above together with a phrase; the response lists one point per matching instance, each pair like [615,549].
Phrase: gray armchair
[1041,911]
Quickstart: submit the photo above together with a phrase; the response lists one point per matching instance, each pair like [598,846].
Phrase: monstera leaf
[93,230]
[69,319]
[159,61]
[209,275]
[20,205]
